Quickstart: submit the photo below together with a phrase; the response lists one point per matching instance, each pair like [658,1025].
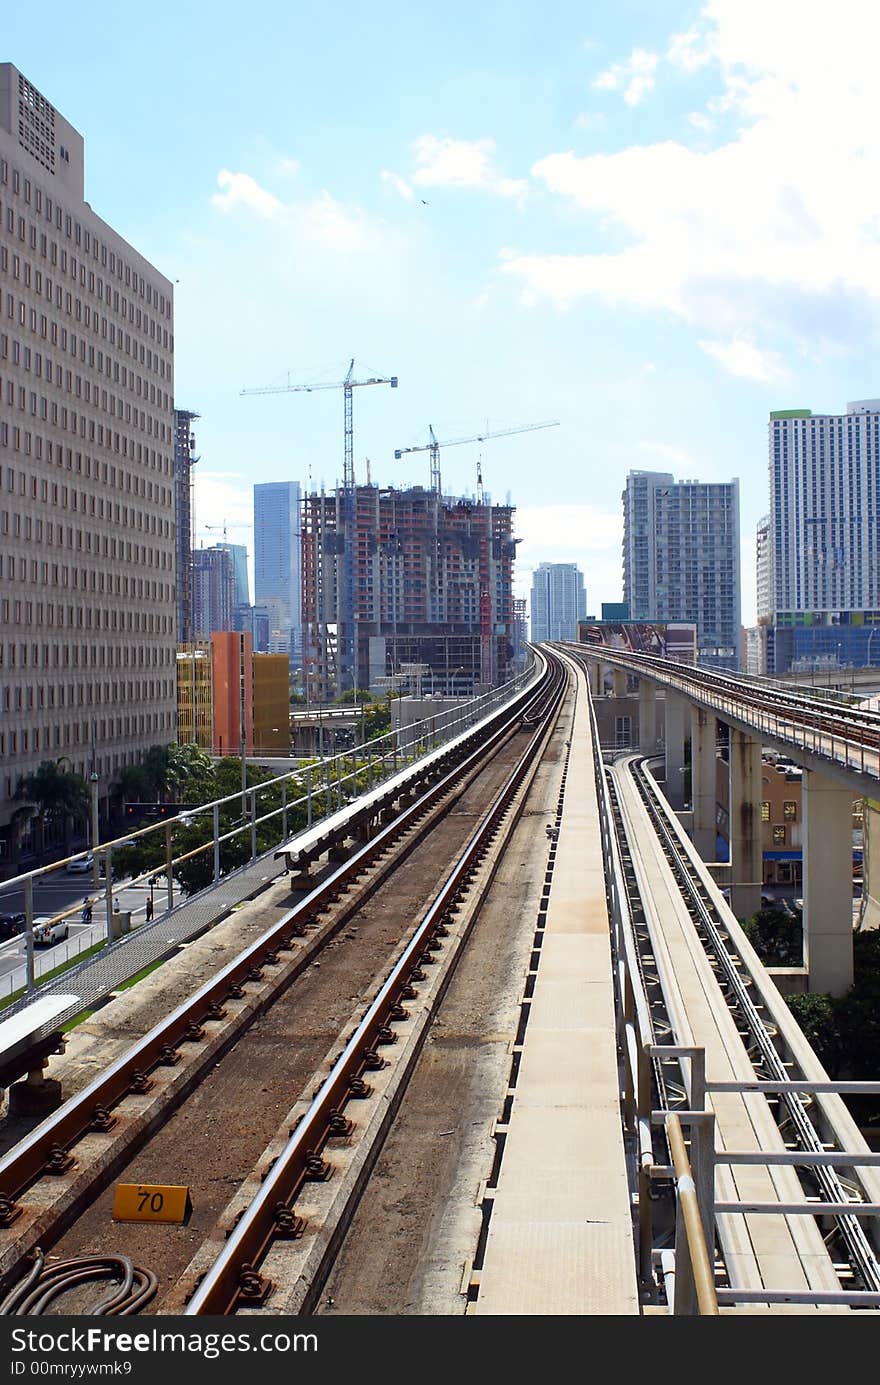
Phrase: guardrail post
[216,842]
[702,1124]
[646,1217]
[253,812]
[31,984]
[694,1274]
[168,876]
[308,795]
[108,892]
[284,810]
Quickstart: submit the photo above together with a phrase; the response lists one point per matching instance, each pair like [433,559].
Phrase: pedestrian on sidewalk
[149,910]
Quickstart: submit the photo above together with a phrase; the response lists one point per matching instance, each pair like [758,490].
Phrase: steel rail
[858,1246]
[855,729]
[47,1147]
[234,1277]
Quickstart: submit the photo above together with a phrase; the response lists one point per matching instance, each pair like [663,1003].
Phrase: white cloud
[635,77]
[456,163]
[241,190]
[579,534]
[743,358]
[289,167]
[399,184]
[702,122]
[323,223]
[774,229]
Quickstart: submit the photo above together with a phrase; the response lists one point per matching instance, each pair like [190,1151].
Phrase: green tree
[59,796]
[190,775]
[815,1013]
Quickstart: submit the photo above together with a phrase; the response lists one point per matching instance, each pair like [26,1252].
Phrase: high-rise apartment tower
[213,592]
[681,558]
[559,601]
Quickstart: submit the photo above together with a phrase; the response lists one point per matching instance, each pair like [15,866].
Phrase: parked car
[81,865]
[11,925]
[47,933]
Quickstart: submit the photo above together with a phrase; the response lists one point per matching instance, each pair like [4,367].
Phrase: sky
[653,222]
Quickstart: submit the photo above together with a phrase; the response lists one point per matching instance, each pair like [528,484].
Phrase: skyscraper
[763,570]
[681,559]
[824,493]
[559,601]
[824,537]
[213,592]
[278,563]
[240,570]
[87,513]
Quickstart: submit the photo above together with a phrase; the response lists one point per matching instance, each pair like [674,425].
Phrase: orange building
[232,672]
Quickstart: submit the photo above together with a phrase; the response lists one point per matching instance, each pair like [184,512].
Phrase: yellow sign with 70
[151,1202]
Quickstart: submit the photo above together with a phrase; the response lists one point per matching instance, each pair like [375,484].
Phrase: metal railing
[321,788]
[851,744]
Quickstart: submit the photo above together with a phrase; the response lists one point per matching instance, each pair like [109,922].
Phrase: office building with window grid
[87,504]
[278,564]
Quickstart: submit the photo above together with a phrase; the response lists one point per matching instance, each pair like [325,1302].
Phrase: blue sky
[654,222]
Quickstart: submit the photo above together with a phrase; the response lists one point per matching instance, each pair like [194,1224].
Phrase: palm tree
[57,795]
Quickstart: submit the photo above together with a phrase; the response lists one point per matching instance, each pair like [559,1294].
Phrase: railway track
[52,1181]
[812,714]
[804,1123]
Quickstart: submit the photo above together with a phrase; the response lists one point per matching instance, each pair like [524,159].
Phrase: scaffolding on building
[432,584]
[184,513]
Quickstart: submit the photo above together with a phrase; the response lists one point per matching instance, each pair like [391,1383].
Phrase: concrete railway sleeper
[236,1281]
[50,1152]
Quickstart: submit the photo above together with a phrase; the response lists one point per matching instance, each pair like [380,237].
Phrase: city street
[58,892]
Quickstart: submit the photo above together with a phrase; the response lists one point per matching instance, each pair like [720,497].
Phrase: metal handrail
[693,1270]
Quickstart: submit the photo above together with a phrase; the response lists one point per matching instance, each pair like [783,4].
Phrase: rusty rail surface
[235,1278]
[47,1148]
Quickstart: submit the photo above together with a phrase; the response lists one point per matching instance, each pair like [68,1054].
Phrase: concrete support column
[703,772]
[647,716]
[746,860]
[595,677]
[828,921]
[673,719]
[619,675]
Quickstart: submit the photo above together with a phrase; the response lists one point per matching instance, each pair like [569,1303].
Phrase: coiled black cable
[42,1285]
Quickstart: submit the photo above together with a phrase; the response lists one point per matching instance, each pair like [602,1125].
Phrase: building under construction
[184,461]
[432,592]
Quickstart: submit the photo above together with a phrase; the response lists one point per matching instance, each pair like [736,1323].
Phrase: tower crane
[221,528]
[346,385]
[434,446]
[345,605]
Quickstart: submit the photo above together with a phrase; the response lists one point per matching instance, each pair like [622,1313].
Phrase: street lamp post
[93,833]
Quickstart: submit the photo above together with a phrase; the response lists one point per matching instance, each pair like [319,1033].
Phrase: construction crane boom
[434,446]
[346,385]
[345,596]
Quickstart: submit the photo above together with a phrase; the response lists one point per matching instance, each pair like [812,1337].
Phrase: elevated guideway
[830,736]
[762,1251]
